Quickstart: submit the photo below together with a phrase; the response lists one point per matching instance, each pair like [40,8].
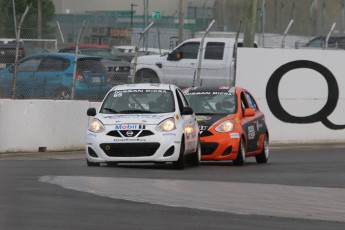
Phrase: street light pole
[132,6]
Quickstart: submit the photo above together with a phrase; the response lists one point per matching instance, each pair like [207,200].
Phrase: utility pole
[39,19]
[181,22]
[249,32]
[132,12]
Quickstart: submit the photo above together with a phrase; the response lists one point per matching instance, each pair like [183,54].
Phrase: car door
[25,84]
[49,76]
[180,71]
[214,70]
[250,124]
[190,125]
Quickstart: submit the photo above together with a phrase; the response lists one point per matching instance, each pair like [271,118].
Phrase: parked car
[143,123]
[8,52]
[232,127]
[50,76]
[334,42]
[118,69]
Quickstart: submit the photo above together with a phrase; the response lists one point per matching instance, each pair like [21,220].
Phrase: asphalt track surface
[302,187]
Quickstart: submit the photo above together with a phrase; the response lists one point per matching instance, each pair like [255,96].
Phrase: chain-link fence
[113,36]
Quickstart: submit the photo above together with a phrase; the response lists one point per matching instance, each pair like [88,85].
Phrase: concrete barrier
[43,125]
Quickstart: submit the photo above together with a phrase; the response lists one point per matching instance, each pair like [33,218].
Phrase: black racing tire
[264,155]
[180,163]
[194,159]
[146,76]
[92,164]
[241,155]
[63,94]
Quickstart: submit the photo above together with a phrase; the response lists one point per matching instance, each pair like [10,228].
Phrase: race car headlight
[96,126]
[226,126]
[166,125]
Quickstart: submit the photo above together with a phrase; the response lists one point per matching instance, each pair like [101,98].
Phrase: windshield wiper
[135,111]
[110,110]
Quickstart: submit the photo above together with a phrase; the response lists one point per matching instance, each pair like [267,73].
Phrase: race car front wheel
[241,155]
[179,164]
[194,159]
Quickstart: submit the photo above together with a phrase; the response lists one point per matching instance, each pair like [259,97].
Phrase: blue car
[50,76]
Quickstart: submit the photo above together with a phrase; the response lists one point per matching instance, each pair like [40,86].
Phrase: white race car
[143,123]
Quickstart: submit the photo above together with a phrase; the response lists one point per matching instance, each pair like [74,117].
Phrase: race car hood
[206,121]
[148,119]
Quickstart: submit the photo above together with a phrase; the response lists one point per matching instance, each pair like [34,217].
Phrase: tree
[29,28]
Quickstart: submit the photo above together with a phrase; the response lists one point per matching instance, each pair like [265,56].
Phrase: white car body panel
[123,124]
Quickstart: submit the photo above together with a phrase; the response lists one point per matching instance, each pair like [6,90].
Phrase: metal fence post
[14,83]
[201,47]
[76,59]
[135,59]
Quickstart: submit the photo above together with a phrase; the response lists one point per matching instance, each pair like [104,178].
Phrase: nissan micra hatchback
[143,123]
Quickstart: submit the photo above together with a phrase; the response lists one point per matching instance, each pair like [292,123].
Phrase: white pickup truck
[179,66]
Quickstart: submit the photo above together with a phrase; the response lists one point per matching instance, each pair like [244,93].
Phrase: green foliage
[30,24]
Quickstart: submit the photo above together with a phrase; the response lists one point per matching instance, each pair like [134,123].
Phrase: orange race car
[232,127]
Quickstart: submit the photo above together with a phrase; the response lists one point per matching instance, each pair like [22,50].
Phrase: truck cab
[179,66]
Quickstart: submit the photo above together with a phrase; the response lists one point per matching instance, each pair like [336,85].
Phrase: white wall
[27,125]
[302,92]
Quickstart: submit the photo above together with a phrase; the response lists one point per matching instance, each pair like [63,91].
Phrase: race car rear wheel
[241,155]
[263,156]
[180,163]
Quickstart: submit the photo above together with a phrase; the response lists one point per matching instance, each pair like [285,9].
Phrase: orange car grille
[208,148]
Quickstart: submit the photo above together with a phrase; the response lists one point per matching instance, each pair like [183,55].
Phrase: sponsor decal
[234,135]
[130,140]
[92,134]
[88,143]
[203,118]
[129,126]
[169,134]
[177,116]
[251,132]
[177,142]
[136,116]
[203,128]
[210,93]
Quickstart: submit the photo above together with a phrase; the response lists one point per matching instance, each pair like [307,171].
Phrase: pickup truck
[179,66]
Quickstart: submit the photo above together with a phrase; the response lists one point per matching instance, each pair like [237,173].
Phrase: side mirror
[91,112]
[249,112]
[187,111]
[175,56]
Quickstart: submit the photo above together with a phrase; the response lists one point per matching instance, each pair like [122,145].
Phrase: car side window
[244,102]
[189,50]
[251,101]
[51,64]
[214,50]
[29,65]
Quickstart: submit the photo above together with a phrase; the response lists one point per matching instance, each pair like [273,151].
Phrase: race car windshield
[212,102]
[139,101]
